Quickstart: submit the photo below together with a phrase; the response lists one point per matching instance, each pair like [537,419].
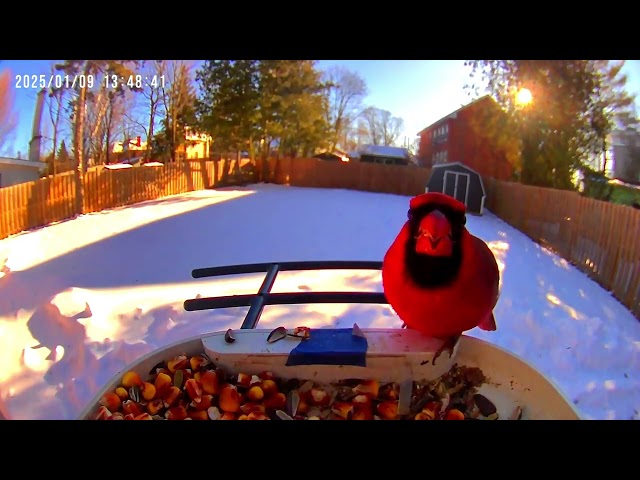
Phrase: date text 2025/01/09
[56,81]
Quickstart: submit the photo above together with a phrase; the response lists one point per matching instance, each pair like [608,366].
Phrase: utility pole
[36,137]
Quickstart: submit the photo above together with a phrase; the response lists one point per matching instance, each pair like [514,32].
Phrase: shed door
[449,184]
[456,185]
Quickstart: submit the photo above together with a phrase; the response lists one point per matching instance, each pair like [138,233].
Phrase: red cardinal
[440,279]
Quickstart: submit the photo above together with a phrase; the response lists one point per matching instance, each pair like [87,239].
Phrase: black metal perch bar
[258,301]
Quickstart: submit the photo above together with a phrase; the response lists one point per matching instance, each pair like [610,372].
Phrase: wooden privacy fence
[312,172]
[600,238]
[53,199]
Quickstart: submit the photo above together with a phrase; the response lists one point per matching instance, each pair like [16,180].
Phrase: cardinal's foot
[448,345]
[404,325]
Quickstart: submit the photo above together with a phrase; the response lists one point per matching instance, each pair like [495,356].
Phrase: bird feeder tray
[330,355]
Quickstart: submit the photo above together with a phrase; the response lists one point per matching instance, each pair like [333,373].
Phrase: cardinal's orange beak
[434,235]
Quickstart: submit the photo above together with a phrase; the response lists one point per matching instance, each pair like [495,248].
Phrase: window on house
[445,156]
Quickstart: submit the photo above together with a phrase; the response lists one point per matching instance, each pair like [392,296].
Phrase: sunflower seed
[484,404]
[293,401]
[306,386]
[228,337]
[277,334]
[283,415]
[177,378]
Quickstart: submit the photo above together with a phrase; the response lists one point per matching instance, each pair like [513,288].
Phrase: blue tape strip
[330,346]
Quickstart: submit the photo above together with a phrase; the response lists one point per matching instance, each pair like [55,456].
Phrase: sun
[524,97]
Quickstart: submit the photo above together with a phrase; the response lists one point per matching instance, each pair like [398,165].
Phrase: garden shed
[460,182]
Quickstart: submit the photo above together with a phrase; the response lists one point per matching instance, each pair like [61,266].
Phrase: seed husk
[485,405]
[277,334]
[228,337]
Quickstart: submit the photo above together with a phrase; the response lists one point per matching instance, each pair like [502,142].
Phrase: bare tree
[178,99]
[56,109]
[382,127]
[8,118]
[146,107]
[126,122]
[81,69]
[372,123]
[151,93]
[97,106]
[78,140]
[118,106]
[413,146]
[391,127]
[345,92]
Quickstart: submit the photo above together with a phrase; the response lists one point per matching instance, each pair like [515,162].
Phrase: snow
[384,151]
[118,166]
[81,299]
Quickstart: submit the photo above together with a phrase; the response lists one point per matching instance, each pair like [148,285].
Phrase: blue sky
[418,91]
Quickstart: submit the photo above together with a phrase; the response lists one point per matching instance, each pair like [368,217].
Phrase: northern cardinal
[440,279]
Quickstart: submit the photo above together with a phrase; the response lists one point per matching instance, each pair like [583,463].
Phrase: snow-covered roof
[384,151]
[118,166]
[19,162]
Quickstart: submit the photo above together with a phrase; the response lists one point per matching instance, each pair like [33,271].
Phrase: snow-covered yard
[81,299]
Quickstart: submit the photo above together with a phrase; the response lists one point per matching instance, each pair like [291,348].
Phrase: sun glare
[524,97]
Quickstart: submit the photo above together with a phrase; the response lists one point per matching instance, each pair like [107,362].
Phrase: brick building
[465,136]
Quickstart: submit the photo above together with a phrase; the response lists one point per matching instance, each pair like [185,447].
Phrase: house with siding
[383,154]
[15,170]
[460,138]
